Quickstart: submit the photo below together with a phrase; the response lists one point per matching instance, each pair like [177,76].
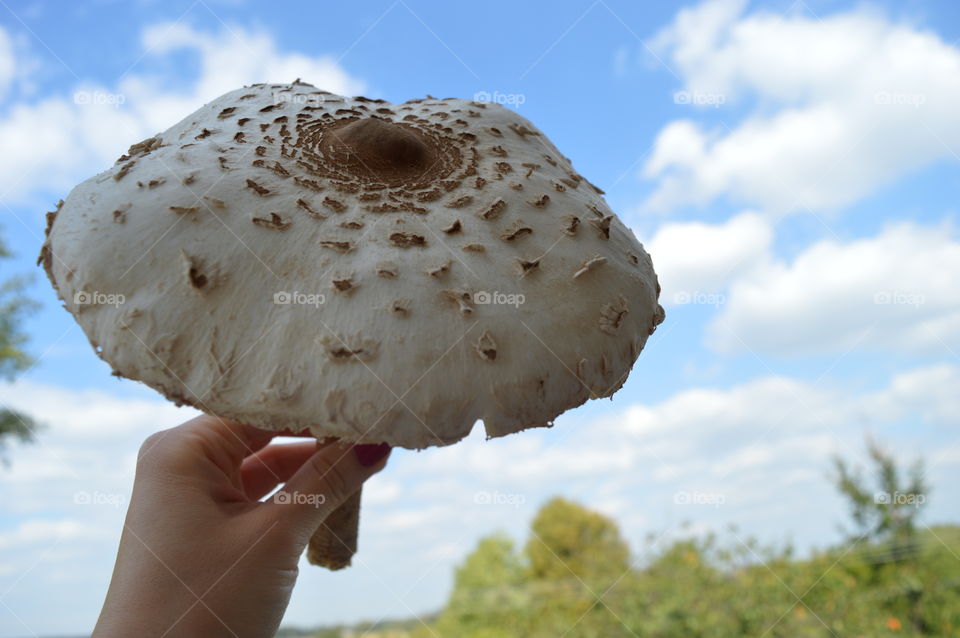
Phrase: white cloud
[895,291]
[237,56]
[928,393]
[698,258]
[34,532]
[760,445]
[770,432]
[104,416]
[866,102]
[55,142]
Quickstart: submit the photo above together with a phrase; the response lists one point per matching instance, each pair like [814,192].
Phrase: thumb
[324,482]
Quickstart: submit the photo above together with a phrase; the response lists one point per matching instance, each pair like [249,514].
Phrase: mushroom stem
[335,541]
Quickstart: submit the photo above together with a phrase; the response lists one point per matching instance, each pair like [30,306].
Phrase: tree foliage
[13,358]
[886,510]
[574,577]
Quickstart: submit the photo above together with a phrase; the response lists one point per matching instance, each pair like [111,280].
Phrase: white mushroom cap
[289,258]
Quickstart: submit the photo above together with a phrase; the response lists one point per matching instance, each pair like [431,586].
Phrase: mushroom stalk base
[335,541]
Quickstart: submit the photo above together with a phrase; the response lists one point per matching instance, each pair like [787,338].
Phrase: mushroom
[372,272]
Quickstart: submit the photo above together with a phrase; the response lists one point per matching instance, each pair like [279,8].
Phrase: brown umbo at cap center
[384,148]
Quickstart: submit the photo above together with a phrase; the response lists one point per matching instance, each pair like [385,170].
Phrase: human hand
[200,555]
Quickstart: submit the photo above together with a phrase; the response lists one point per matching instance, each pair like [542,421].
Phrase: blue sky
[791,167]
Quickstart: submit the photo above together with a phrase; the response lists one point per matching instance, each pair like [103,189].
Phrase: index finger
[225,442]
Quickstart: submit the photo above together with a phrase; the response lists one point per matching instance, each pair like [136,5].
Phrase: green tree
[886,510]
[488,591]
[13,359]
[570,541]
[557,586]
[576,559]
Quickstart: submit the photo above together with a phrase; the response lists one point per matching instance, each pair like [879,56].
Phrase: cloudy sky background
[791,167]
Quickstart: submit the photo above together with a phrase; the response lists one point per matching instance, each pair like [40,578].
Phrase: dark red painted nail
[371,453]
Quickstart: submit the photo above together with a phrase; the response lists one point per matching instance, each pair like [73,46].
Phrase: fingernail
[371,453]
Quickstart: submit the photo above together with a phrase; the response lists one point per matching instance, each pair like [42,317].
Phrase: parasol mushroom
[375,273]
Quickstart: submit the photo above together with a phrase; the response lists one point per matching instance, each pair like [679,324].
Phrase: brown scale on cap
[273,222]
[257,188]
[611,315]
[459,202]
[516,231]
[124,170]
[334,204]
[462,298]
[199,276]
[602,226]
[572,223]
[120,214]
[337,245]
[527,266]
[441,270]
[486,347]
[310,210]
[387,270]
[407,240]
[493,210]
[344,285]
[541,201]
[589,265]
